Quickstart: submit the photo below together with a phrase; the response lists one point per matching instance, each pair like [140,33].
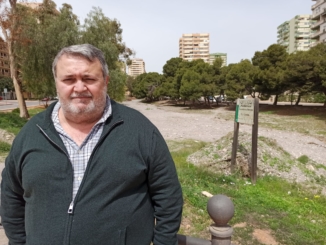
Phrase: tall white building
[295,34]
[194,46]
[136,68]
[319,27]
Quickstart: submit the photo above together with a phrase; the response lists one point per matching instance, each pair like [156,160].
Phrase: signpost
[246,113]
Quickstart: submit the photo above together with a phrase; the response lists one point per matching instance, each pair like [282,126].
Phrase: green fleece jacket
[130,193]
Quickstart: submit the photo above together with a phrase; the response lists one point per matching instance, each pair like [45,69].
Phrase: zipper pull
[71,207]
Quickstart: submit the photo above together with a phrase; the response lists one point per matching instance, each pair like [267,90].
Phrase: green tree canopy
[190,84]
[117,85]
[239,80]
[147,84]
[36,56]
[106,34]
[298,73]
[318,53]
[6,82]
[272,63]
[171,67]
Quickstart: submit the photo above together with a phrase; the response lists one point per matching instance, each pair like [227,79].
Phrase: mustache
[84,94]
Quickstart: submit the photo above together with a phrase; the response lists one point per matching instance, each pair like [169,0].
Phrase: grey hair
[87,51]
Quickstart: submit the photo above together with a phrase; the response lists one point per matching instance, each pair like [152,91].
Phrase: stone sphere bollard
[221,210]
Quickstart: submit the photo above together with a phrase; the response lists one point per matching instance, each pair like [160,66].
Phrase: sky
[152,28]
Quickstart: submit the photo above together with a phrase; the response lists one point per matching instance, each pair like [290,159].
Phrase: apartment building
[295,34]
[136,68]
[319,27]
[4,59]
[223,56]
[194,46]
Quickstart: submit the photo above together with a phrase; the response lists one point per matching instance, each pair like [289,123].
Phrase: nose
[79,86]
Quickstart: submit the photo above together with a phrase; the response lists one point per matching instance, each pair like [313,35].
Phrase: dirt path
[177,123]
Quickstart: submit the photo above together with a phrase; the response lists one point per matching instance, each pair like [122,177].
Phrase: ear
[107,80]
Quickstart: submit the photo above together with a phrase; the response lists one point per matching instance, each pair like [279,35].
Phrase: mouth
[81,96]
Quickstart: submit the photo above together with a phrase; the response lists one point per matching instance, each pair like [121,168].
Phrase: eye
[89,80]
[68,80]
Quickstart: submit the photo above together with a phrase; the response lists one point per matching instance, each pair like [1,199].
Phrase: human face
[80,85]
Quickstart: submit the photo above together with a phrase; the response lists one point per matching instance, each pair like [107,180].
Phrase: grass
[12,122]
[4,147]
[303,159]
[294,215]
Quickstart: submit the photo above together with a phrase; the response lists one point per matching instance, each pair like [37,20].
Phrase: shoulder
[42,119]
[130,115]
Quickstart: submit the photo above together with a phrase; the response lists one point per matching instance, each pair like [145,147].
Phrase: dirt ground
[177,123]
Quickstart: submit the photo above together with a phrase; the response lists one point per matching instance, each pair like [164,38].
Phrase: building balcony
[317,15]
[319,2]
[285,35]
[317,34]
[317,24]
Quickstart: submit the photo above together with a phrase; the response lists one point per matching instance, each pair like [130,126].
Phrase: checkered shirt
[79,155]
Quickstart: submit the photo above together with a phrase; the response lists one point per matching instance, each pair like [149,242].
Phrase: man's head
[81,77]
[86,51]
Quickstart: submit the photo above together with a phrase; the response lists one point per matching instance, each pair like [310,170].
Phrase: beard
[88,105]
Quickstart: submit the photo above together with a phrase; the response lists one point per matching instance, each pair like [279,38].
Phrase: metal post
[234,146]
[254,143]
[221,209]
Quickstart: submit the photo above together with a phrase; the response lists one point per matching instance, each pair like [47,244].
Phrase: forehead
[69,58]
[77,63]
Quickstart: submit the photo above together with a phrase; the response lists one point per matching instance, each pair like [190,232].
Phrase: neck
[83,123]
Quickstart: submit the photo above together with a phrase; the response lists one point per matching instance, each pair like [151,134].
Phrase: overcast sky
[152,28]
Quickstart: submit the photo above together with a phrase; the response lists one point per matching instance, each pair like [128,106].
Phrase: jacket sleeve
[12,204]
[165,191]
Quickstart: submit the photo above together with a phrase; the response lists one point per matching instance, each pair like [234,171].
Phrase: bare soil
[177,122]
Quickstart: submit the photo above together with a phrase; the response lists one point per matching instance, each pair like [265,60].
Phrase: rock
[310,167]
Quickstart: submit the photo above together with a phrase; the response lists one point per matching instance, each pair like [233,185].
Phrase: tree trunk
[275,100]
[23,112]
[298,100]
[9,38]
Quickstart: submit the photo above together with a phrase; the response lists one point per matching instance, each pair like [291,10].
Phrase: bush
[303,159]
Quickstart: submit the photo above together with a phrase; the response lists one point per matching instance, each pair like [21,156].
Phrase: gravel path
[177,123]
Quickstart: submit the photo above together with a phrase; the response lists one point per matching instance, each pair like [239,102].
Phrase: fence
[221,210]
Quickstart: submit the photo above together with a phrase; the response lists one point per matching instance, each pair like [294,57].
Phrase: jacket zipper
[70,209]
[72,204]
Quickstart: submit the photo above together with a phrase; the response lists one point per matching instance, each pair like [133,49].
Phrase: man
[88,170]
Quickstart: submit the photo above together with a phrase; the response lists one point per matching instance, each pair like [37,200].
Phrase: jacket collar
[47,125]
